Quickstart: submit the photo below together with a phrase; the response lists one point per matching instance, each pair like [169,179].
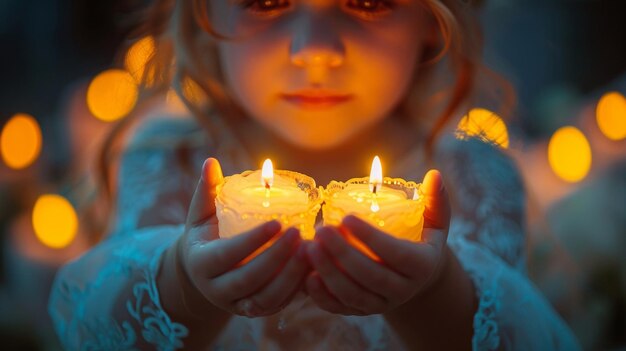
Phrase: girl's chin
[319,142]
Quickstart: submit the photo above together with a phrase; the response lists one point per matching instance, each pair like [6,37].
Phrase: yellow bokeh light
[137,57]
[569,154]
[55,221]
[611,115]
[112,95]
[20,141]
[486,125]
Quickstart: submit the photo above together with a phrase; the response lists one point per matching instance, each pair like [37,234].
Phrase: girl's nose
[315,42]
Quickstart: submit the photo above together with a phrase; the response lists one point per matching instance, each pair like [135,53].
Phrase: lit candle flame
[376,181]
[376,175]
[267,174]
[267,179]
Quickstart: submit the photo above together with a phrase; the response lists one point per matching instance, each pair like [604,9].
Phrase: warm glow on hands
[352,259]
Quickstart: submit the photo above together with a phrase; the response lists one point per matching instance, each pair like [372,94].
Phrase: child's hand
[214,267]
[345,281]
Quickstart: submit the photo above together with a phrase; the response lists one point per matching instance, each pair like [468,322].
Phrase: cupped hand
[221,269]
[346,281]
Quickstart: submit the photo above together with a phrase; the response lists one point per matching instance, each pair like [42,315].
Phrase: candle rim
[408,187]
[303,182]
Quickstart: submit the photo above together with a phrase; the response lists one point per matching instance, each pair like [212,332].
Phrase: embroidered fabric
[155,189]
[87,291]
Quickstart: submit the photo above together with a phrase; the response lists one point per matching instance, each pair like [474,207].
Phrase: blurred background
[566,58]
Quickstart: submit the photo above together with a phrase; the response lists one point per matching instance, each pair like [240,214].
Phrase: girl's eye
[264,7]
[370,8]
[366,8]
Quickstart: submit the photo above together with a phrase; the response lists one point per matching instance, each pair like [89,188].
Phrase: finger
[366,272]
[437,210]
[249,278]
[281,289]
[323,299]
[202,207]
[436,201]
[400,255]
[219,256]
[341,286]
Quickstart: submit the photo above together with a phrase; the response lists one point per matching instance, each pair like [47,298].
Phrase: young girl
[320,86]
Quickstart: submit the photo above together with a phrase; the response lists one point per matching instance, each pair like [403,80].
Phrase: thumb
[202,206]
[436,201]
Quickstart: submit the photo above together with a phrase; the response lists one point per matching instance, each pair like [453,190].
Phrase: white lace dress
[107,299]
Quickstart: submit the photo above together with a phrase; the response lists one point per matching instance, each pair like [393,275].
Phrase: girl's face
[318,72]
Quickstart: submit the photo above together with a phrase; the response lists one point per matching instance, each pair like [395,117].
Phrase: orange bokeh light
[569,154]
[54,221]
[611,115]
[20,141]
[112,95]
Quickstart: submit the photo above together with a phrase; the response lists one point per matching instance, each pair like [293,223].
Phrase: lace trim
[486,332]
[81,330]
[109,336]
[486,329]
[157,327]
[489,192]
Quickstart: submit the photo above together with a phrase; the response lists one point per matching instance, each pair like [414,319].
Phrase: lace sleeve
[158,173]
[487,235]
[488,198]
[108,299]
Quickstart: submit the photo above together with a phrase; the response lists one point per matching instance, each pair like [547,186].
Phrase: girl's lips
[316,99]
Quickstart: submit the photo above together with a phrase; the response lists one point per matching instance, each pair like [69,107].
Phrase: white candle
[251,198]
[391,204]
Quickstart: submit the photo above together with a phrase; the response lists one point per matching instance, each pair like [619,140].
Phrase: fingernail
[292,233]
[247,308]
[272,227]
[346,220]
[204,170]
[350,220]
